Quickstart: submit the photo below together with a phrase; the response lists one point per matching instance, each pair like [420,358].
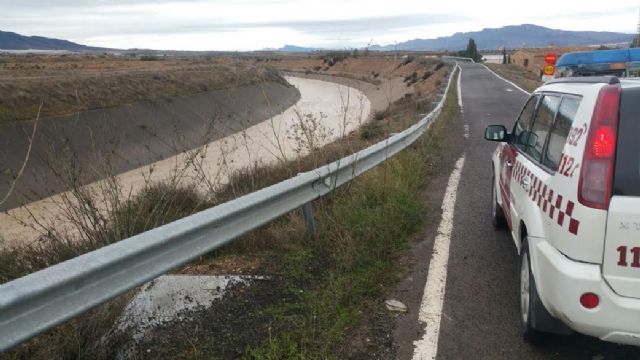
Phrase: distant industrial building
[492,58]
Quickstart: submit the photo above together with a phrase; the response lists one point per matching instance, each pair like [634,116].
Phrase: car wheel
[525,293]
[497,215]
[534,317]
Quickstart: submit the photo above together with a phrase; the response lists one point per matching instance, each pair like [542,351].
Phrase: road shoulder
[410,289]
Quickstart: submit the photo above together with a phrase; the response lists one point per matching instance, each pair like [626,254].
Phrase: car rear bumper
[561,281]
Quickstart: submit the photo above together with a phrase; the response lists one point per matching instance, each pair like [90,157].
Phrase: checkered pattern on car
[549,201]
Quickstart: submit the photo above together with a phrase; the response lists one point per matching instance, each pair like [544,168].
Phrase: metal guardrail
[44,299]
[458,58]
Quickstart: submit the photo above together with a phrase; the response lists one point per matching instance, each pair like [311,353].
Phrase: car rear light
[596,175]
[589,300]
[604,143]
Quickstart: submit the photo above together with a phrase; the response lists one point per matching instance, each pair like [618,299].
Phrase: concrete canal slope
[338,109]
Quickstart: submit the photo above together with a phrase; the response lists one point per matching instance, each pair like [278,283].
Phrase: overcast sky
[258,24]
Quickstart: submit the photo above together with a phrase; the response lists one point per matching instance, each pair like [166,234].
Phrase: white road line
[507,81]
[459,89]
[433,297]
[466,131]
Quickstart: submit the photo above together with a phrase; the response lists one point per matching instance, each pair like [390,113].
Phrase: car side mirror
[496,133]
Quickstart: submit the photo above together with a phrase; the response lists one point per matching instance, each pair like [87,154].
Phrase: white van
[567,184]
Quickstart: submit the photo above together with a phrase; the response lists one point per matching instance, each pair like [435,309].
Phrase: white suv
[567,184]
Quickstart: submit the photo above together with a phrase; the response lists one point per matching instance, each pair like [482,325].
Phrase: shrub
[156,205]
[370,131]
[333,57]
[380,115]
[150,58]
[409,59]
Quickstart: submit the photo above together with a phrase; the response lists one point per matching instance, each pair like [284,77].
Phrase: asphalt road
[480,315]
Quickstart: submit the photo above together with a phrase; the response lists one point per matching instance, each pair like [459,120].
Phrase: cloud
[255,24]
[344,27]
[39,4]
[99,23]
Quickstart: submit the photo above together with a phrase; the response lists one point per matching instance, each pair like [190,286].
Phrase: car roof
[630,82]
[577,84]
[585,80]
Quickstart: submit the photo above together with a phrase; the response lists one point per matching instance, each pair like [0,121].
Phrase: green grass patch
[365,229]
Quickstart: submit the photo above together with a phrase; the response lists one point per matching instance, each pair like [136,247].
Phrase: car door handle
[525,182]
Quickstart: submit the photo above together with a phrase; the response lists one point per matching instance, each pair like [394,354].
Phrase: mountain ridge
[14,41]
[512,36]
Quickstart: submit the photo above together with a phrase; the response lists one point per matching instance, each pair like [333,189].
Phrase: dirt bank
[66,84]
[86,146]
[384,79]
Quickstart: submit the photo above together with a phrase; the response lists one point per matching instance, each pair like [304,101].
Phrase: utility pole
[395,50]
[636,40]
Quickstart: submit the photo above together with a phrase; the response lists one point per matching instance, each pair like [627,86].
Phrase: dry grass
[68,84]
[370,69]
[395,79]
[519,75]
[156,205]
[385,196]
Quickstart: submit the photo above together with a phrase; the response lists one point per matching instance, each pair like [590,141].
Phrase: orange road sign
[549,70]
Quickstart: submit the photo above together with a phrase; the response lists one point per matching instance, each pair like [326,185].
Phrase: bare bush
[308,132]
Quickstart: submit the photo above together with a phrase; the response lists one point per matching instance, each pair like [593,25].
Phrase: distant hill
[294,48]
[13,41]
[514,36]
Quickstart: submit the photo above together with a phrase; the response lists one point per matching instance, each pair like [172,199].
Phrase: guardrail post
[309,219]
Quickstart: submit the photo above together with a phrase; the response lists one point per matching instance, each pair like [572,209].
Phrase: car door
[508,155]
[530,184]
[562,161]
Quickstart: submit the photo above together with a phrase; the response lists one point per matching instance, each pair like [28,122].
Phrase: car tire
[497,214]
[528,293]
[534,317]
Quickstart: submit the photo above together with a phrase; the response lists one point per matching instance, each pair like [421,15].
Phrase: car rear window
[627,169]
[561,127]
